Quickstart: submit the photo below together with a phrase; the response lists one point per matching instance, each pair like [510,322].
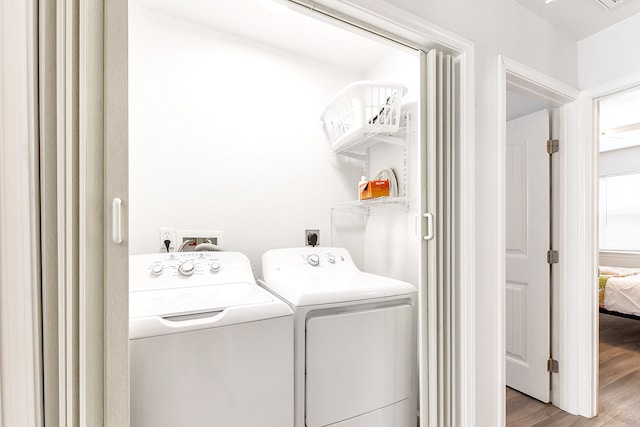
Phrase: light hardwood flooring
[619,388]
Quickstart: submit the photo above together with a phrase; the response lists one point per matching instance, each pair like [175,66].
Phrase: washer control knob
[187,268]
[157,269]
[331,259]
[313,260]
[215,267]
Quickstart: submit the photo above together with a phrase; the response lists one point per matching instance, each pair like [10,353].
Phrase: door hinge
[552,366]
[552,257]
[553,146]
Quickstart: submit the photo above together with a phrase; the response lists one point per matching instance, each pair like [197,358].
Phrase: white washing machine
[208,346]
[355,339]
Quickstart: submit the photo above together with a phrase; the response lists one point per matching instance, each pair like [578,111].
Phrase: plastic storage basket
[362,110]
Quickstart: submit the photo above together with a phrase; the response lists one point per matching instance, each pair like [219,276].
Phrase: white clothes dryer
[355,339]
[208,346]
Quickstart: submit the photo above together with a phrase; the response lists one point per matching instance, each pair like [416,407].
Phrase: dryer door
[358,362]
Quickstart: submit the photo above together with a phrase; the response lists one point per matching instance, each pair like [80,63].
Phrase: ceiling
[520,104]
[581,18]
[299,33]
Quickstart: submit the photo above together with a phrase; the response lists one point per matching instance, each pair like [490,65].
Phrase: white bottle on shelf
[363,181]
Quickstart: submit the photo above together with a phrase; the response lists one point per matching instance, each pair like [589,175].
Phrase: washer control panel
[180,269]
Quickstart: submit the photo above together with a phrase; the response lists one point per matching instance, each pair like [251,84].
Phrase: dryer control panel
[315,259]
[301,259]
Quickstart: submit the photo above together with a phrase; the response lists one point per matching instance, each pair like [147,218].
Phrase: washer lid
[171,302]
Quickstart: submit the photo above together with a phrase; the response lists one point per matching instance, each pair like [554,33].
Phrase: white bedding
[622,290]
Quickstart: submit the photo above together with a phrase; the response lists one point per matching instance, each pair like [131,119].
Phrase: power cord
[167,243]
[185,243]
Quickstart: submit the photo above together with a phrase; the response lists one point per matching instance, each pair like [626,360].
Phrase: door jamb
[570,321]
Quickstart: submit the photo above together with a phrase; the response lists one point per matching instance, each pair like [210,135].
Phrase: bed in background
[620,291]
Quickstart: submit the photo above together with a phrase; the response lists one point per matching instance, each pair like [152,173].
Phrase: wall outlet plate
[312,237]
[167,234]
[197,237]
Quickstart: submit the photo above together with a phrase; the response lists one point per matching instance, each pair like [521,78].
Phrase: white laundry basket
[361,110]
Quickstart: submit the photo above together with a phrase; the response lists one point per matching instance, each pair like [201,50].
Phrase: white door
[527,284]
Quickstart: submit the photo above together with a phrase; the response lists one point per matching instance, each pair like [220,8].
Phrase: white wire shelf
[358,148]
[370,205]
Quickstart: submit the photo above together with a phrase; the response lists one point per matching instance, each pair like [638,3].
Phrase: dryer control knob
[157,269]
[215,267]
[331,258]
[187,268]
[313,260]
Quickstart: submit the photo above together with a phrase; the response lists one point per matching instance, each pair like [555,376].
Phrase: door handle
[429,218]
[116,221]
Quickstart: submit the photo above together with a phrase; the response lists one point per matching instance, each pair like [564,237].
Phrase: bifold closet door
[83,166]
[116,208]
[437,316]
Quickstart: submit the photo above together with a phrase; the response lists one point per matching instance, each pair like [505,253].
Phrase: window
[620,212]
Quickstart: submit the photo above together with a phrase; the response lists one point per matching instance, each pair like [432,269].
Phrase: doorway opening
[179,139]
[618,121]
[524,88]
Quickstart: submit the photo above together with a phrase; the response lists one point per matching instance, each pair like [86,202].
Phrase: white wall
[610,54]
[392,247]
[225,134]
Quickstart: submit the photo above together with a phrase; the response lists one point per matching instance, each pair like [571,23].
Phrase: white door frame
[589,176]
[574,310]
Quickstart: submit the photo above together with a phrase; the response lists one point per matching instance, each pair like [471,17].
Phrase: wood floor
[619,399]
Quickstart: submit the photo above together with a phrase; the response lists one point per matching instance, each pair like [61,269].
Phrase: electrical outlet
[312,237]
[168,234]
